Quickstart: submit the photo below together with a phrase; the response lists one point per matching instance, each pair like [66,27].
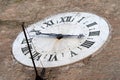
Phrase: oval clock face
[62,39]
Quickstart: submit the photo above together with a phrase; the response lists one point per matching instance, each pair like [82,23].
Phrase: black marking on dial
[36,54]
[94,33]
[62,54]
[91,24]
[79,48]
[53,57]
[73,54]
[37,32]
[24,41]
[87,44]
[81,19]
[49,23]
[67,19]
[25,49]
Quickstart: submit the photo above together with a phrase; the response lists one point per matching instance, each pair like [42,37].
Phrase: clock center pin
[59,36]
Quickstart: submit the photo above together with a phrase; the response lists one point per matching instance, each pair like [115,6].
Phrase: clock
[62,39]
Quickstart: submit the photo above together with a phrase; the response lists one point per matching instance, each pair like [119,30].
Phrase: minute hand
[49,34]
[59,36]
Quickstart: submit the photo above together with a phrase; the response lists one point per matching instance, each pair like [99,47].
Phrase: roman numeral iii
[87,44]
[94,33]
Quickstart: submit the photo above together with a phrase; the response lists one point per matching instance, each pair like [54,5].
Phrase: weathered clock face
[62,39]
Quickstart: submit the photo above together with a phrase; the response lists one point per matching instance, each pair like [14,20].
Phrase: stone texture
[103,66]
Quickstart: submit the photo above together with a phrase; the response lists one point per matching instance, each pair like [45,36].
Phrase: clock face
[61,39]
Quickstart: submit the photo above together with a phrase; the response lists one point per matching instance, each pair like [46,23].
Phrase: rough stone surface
[104,66]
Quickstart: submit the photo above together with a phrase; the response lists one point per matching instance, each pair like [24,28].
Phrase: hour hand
[60,36]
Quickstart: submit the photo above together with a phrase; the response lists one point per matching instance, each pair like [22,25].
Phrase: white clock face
[62,39]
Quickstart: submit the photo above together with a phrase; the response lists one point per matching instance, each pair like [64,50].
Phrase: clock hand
[49,34]
[78,36]
[59,36]
[37,76]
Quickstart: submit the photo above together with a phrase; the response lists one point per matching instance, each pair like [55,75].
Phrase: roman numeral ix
[25,50]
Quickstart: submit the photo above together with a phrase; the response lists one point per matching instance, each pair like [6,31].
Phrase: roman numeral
[37,32]
[62,54]
[24,41]
[45,56]
[53,57]
[91,24]
[49,23]
[36,55]
[81,19]
[79,48]
[94,33]
[67,19]
[87,44]
[25,50]
[73,54]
